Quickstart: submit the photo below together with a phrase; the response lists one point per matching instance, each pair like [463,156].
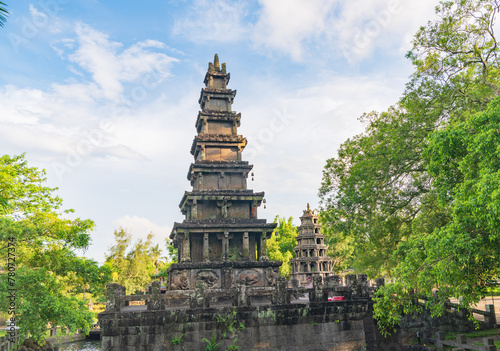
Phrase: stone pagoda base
[223,275]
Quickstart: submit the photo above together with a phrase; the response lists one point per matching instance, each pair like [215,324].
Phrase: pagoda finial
[308,207]
[216,62]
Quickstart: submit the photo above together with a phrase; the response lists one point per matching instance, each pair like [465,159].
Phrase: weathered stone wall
[250,317]
[315,326]
[452,320]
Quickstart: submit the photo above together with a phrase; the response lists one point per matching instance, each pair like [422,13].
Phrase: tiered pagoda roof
[221,223]
[310,253]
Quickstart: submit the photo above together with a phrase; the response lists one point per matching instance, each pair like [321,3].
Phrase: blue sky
[103,95]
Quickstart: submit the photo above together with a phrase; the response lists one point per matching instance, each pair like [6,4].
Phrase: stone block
[488,342]
[461,339]
[491,318]
[106,342]
[192,337]
[113,293]
[116,341]
[144,339]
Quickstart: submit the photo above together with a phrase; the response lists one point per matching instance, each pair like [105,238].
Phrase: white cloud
[286,24]
[291,134]
[216,21]
[306,29]
[110,67]
[59,119]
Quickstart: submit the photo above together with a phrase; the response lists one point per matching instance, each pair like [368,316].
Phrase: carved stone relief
[272,274]
[248,277]
[209,278]
[180,280]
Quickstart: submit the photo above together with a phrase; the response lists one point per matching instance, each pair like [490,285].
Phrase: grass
[177,340]
[497,344]
[212,345]
[473,334]
[483,333]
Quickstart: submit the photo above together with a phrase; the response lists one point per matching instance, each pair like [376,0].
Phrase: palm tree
[155,253]
[3,13]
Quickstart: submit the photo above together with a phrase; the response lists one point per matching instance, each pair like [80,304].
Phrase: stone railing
[461,344]
[356,287]
[489,316]
[246,316]
[6,343]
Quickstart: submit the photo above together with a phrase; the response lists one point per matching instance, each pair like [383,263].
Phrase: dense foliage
[37,247]
[280,246]
[414,198]
[134,266]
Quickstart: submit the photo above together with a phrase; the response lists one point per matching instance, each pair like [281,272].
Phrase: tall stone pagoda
[310,253]
[221,242]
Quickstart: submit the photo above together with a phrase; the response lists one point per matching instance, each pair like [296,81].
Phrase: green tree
[459,50]
[156,255]
[87,276]
[40,241]
[3,13]
[172,252]
[167,260]
[41,301]
[377,192]
[460,257]
[133,266]
[340,247]
[31,213]
[280,245]
[386,197]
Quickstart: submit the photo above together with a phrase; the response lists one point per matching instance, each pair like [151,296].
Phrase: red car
[336,298]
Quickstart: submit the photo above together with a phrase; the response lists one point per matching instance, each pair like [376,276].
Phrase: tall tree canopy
[37,241]
[460,257]
[280,246]
[391,194]
[132,265]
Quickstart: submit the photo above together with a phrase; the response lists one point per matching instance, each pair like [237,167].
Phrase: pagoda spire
[216,63]
[215,67]
[310,253]
[221,228]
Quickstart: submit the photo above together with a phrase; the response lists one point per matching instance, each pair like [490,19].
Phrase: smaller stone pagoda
[310,253]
